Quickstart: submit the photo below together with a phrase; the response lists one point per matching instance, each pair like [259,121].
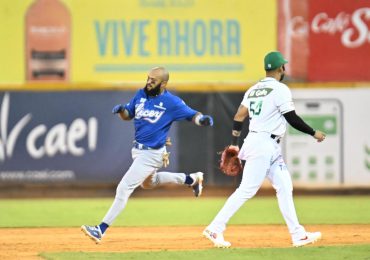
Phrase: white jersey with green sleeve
[267,101]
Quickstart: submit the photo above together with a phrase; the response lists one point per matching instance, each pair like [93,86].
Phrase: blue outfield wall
[72,137]
[65,137]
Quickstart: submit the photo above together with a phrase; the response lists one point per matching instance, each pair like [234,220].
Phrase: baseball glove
[230,164]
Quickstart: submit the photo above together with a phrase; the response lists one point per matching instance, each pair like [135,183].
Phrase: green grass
[306,253]
[179,211]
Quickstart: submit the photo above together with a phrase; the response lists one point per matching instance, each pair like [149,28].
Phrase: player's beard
[282,73]
[154,91]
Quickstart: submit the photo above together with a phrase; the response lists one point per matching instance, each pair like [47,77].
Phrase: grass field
[192,212]
[312,253]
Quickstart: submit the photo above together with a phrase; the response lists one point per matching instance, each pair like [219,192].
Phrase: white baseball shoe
[216,238]
[197,185]
[309,239]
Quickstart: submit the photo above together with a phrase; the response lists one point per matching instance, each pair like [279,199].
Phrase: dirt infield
[27,243]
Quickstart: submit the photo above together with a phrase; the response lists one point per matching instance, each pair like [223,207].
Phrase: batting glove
[206,120]
[118,108]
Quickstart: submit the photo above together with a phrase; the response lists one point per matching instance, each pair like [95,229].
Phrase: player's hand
[168,141]
[118,108]
[319,136]
[206,120]
[234,147]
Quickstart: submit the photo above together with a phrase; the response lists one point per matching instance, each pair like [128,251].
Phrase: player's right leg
[282,183]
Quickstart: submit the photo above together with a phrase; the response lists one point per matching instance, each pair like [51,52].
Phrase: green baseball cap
[274,60]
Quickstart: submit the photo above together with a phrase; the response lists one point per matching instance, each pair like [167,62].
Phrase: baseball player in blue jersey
[153,109]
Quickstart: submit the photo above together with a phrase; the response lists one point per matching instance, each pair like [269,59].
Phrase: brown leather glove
[230,164]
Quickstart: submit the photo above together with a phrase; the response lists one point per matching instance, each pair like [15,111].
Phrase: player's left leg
[194,180]
[281,181]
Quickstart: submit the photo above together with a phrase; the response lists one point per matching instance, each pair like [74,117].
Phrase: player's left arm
[286,107]
[297,122]
[202,120]
[183,111]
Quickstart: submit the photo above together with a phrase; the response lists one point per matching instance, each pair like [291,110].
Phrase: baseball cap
[274,60]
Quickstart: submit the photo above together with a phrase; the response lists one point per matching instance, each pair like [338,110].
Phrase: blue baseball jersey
[153,116]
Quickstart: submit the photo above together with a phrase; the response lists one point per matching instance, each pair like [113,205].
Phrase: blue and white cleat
[93,232]
[197,185]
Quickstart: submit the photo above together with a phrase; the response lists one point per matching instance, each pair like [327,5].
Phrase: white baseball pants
[145,164]
[263,159]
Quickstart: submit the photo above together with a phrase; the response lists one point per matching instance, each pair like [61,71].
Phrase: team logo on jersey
[149,115]
[259,92]
[160,106]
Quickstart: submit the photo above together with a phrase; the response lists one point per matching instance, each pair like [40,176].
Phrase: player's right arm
[124,115]
[241,114]
[122,111]
[239,118]
[126,112]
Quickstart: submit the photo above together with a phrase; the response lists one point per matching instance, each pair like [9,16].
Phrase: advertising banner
[118,40]
[343,159]
[326,40]
[293,36]
[66,137]
[72,137]
[339,40]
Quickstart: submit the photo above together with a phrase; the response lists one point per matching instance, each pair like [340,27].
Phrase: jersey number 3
[255,107]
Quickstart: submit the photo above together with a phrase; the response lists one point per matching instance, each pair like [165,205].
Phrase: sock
[103,226]
[188,180]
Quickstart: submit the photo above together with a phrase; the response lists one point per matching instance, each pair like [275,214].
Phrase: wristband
[197,119]
[237,125]
[235,140]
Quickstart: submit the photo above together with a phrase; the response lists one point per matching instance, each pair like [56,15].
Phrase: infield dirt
[27,243]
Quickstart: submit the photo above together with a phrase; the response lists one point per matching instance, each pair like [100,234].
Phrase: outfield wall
[71,137]
[66,63]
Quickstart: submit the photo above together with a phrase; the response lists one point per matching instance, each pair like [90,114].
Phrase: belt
[144,147]
[275,137]
[141,146]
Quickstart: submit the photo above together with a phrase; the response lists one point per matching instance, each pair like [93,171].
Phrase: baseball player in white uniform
[269,106]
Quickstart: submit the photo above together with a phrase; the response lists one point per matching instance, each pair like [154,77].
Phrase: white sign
[343,159]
